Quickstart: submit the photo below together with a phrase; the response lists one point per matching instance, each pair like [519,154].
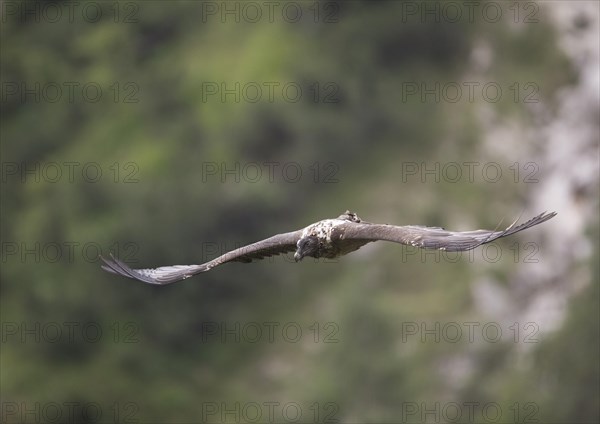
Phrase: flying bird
[329,238]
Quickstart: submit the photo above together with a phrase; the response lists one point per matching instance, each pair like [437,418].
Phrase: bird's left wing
[280,243]
[434,237]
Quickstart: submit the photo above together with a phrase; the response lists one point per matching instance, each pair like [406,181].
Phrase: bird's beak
[297,257]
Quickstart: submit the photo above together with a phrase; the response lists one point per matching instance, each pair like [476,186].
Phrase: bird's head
[307,246]
[349,216]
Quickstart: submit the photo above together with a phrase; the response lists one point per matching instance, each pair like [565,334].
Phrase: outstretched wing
[435,237]
[280,243]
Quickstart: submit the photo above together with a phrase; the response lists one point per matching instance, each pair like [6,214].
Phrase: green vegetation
[160,138]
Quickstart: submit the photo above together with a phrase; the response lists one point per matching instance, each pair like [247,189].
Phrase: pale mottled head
[349,216]
[307,246]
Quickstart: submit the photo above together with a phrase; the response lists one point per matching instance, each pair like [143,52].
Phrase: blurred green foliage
[164,140]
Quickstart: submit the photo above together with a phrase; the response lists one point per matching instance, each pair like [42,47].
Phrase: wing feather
[435,237]
[280,243]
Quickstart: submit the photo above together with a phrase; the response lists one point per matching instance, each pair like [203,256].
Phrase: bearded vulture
[329,238]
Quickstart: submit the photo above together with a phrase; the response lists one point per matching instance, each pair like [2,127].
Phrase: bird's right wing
[280,243]
[435,237]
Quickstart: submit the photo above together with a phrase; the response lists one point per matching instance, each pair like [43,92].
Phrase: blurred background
[171,132]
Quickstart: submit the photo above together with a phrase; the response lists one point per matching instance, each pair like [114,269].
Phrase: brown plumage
[328,238]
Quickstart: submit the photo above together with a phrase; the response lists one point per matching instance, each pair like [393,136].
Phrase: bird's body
[329,238]
[329,234]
